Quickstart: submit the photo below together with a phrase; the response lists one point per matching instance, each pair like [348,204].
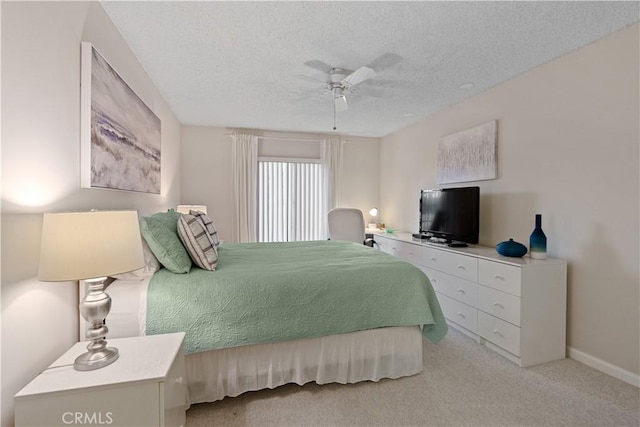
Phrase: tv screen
[452,214]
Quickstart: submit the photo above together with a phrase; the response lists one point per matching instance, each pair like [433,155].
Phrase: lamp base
[95,307]
[96,359]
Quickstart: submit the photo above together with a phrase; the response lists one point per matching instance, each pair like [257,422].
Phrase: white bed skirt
[212,375]
[346,358]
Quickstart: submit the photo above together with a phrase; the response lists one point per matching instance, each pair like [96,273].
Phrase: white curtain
[332,161]
[245,183]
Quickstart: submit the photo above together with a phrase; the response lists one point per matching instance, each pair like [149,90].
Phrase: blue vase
[511,248]
[538,241]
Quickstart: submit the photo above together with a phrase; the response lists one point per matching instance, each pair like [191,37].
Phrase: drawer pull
[497,276]
[497,304]
[461,267]
[460,314]
[461,291]
[498,333]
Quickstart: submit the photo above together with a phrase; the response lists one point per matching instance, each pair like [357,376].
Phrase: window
[290,194]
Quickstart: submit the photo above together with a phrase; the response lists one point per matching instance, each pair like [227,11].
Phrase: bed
[278,313]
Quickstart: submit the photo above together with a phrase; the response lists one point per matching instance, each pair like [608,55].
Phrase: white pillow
[197,242]
[151,265]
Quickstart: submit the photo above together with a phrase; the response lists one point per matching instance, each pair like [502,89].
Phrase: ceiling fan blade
[319,65]
[340,103]
[385,60]
[358,76]
[308,78]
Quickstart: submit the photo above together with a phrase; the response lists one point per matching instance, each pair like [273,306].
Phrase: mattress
[127,317]
[369,355]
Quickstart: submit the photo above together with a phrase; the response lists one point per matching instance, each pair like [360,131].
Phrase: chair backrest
[346,224]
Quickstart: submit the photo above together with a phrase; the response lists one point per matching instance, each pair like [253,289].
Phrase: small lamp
[184,209]
[90,246]
[374,213]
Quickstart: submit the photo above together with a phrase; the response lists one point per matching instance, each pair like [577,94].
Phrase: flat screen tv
[450,214]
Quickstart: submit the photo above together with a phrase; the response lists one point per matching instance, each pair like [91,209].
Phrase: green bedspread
[267,292]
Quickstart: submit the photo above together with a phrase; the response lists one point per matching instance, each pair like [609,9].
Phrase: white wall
[568,148]
[207,174]
[41,169]
[207,170]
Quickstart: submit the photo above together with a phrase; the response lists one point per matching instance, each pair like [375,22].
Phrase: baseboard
[602,366]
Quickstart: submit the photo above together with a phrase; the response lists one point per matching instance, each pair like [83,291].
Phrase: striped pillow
[208,225]
[197,241]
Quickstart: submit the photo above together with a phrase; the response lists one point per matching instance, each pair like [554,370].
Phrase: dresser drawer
[499,332]
[499,304]
[457,265]
[454,287]
[499,276]
[383,243]
[459,313]
[392,247]
[410,252]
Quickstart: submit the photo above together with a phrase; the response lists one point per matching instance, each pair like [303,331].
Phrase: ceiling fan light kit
[341,81]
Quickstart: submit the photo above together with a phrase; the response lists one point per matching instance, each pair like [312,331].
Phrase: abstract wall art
[469,155]
[120,135]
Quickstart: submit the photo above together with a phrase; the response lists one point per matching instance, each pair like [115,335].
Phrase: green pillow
[160,231]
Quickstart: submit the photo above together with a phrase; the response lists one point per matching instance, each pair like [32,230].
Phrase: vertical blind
[289,201]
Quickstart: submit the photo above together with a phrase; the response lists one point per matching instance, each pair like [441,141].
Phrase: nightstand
[146,386]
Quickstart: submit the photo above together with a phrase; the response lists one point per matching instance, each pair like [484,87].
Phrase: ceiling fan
[340,81]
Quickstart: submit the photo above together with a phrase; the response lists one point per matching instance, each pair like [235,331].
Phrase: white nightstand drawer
[454,287]
[499,332]
[499,276]
[499,304]
[462,266]
[459,313]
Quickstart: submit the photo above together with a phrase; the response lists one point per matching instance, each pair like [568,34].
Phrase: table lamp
[374,213]
[184,209]
[90,246]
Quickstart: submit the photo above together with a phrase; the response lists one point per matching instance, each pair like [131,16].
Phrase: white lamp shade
[373,212]
[184,209]
[85,245]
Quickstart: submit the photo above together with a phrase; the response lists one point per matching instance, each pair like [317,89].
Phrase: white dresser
[516,306]
[145,387]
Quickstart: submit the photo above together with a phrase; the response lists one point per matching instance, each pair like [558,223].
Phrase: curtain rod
[293,138]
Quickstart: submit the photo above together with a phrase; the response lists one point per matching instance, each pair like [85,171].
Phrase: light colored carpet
[463,384]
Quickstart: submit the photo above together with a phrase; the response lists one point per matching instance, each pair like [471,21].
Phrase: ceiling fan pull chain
[334,115]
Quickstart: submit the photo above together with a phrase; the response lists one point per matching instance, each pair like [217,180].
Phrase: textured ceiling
[238,64]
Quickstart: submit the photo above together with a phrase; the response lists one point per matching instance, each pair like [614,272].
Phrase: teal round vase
[511,248]
[538,241]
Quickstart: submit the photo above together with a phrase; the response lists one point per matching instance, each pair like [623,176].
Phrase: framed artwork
[469,155]
[120,135]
